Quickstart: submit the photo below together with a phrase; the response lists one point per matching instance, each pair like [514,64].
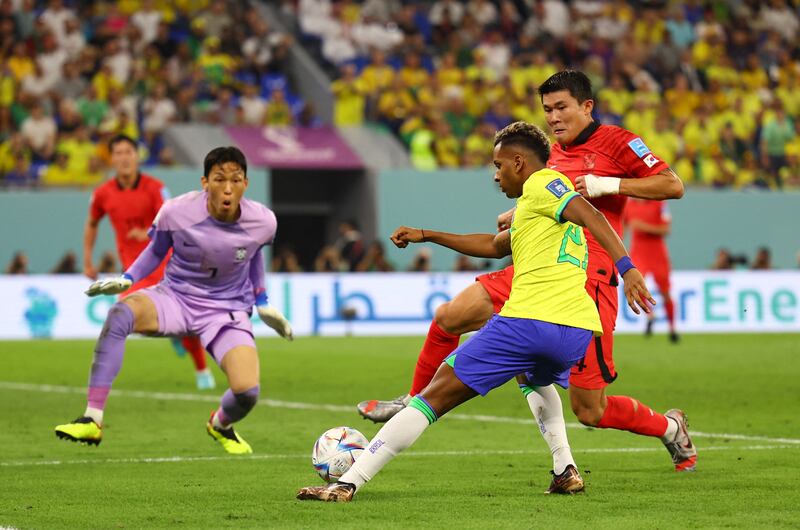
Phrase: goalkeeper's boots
[681,448]
[83,430]
[334,492]
[230,441]
[567,483]
[382,411]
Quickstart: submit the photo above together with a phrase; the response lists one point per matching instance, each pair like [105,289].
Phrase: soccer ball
[336,450]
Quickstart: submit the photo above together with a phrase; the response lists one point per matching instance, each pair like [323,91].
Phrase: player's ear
[588,106]
[204,182]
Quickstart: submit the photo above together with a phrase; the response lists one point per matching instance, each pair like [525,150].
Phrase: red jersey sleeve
[97,204]
[633,156]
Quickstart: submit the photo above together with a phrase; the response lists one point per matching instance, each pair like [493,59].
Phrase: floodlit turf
[157,468]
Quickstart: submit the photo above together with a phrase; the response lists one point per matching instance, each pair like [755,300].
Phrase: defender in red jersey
[606,164]
[131,200]
[650,222]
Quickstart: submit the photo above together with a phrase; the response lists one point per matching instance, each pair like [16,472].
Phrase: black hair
[575,82]
[525,135]
[120,138]
[222,155]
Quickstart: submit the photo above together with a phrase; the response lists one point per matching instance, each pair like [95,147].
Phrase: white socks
[672,430]
[398,434]
[545,403]
[95,414]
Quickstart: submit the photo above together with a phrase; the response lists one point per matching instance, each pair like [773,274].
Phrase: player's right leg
[135,314]
[467,312]
[239,360]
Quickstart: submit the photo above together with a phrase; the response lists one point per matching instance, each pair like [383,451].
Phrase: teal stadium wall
[703,220]
[47,224]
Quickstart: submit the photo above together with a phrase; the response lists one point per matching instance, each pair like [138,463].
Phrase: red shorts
[596,369]
[498,285]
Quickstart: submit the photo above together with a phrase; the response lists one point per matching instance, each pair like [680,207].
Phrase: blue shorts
[506,346]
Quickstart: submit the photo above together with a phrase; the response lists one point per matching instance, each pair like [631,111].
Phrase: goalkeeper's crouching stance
[214,277]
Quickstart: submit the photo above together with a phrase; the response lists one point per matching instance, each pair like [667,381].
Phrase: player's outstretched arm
[476,245]
[580,212]
[150,258]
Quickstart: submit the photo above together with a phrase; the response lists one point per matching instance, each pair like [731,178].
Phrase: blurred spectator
[39,131]
[328,260]
[108,263]
[158,110]
[215,19]
[762,259]
[18,264]
[278,113]
[723,261]
[252,106]
[375,260]
[67,264]
[350,244]
[465,263]
[147,18]
[55,17]
[778,131]
[285,260]
[58,173]
[349,95]
[421,261]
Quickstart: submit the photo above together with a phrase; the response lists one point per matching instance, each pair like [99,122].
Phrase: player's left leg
[238,358]
[444,393]
[594,408]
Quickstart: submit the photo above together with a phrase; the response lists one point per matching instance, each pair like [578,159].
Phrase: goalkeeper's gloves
[272,317]
[110,285]
[599,186]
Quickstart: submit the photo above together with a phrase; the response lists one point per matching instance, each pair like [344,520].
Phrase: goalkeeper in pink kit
[213,279]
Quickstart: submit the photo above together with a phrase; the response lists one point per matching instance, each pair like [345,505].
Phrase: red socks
[438,345]
[195,349]
[628,414]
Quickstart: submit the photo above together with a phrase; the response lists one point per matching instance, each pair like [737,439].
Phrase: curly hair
[526,135]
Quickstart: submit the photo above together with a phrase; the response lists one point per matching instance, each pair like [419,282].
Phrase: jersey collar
[583,137]
[135,182]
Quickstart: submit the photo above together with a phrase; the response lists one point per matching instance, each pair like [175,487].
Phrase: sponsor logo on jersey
[557,188]
[241,254]
[650,160]
[638,147]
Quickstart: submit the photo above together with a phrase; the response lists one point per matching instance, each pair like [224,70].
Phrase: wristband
[261,297]
[127,277]
[624,264]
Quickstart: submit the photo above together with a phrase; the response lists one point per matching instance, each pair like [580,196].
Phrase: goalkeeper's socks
[108,353]
[399,433]
[438,345]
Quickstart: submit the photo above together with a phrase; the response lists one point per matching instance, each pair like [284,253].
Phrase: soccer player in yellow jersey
[543,328]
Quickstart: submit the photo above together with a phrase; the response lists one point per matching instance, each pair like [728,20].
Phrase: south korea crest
[241,254]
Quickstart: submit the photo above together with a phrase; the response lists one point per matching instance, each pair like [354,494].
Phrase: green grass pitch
[157,468]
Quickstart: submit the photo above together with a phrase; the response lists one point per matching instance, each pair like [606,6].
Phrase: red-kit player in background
[650,223]
[607,164]
[131,200]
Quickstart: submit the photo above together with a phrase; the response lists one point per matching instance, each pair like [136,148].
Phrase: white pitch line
[274,403]
[510,452]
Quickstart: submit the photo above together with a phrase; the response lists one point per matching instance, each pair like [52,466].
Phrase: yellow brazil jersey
[550,257]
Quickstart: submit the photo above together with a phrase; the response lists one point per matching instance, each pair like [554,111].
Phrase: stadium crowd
[713,87]
[73,74]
